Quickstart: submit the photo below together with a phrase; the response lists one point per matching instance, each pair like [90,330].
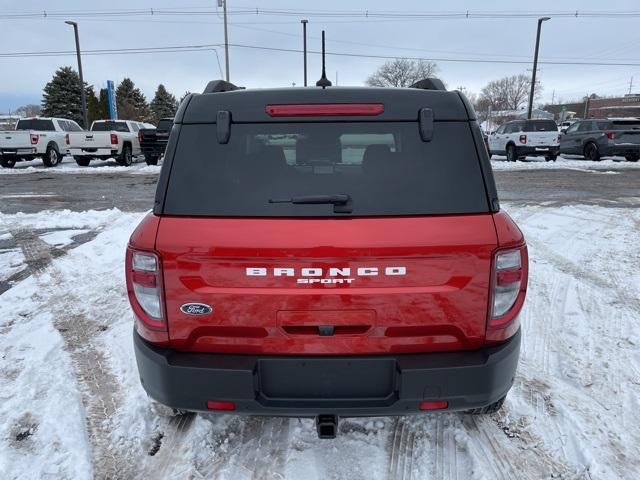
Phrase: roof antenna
[324,82]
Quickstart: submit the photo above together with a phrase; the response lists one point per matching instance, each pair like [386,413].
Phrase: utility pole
[631,85]
[586,106]
[83,93]
[535,65]
[553,97]
[304,47]
[226,38]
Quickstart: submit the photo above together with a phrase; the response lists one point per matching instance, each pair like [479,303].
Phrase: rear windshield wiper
[341,202]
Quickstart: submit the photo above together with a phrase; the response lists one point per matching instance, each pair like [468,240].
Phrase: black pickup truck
[153,141]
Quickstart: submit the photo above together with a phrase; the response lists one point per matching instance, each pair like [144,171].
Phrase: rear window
[165,125]
[541,126]
[108,126]
[626,124]
[35,124]
[385,169]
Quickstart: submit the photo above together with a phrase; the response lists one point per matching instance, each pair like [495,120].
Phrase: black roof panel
[248,106]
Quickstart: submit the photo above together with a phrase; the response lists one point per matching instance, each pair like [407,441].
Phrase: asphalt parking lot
[45,190]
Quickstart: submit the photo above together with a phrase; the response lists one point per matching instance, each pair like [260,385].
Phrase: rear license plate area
[326,379]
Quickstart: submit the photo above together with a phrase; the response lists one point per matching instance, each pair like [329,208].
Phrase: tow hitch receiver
[327,426]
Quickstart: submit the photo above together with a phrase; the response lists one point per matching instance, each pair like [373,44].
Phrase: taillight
[139,136]
[611,135]
[435,405]
[509,287]
[34,138]
[144,284]
[559,138]
[66,139]
[218,405]
[114,139]
[325,110]
[523,139]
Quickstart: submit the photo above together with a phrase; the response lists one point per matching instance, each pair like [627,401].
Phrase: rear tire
[551,158]
[591,152]
[489,409]
[52,156]
[631,158]
[512,156]
[7,162]
[82,161]
[126,157]
[151,159]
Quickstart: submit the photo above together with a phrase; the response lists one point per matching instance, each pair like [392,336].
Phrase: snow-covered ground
[68,165]
[570,162]
[72,407]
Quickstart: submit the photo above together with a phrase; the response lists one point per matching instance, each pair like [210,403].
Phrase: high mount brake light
[325,110]
[144,279]
[509,285]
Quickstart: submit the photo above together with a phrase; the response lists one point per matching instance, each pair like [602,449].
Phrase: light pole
[304,43]
[226,39]
[535,65]
[83,94]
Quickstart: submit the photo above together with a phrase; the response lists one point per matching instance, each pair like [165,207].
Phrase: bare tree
[402,72]
[508,93]
[30,110]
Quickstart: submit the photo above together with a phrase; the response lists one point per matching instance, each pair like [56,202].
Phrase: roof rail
[429,84]
[217,86]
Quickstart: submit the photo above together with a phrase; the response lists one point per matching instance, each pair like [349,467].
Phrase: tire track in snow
[255,448]
[97,385]
[170,451]
[401,449]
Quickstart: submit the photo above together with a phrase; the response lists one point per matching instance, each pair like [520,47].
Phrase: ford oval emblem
[196,309]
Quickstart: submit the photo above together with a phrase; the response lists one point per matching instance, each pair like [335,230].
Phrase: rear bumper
[346,386]
[624,149]
[533,151]
[92,152]
[156,149]
[22,151]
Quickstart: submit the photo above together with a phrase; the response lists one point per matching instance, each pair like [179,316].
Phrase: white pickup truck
[521,138]
[37,137]
[107,139]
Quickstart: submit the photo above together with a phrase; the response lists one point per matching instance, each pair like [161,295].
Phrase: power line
[354,14]
[204,47]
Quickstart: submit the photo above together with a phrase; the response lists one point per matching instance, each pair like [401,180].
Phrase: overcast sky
[563,39]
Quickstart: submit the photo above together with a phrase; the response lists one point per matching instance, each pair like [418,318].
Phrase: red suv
[326,252]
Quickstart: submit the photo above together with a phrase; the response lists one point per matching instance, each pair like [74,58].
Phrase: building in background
[598,107]
[8,122]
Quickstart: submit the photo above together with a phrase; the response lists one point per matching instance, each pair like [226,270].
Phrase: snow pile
[537,163]
[72,405]
[68,165]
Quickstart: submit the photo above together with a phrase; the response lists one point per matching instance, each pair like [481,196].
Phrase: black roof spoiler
[217,86]
[429,84]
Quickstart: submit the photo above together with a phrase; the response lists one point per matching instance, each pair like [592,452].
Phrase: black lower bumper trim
[346,386]
[534,151]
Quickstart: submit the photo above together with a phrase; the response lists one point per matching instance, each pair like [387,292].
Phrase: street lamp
[83,94]
[535,65]
[304,42]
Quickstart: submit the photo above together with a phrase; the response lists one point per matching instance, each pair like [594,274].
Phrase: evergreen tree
[61,96]
[103,101]
[93,107]
[132,105]
[163,104]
